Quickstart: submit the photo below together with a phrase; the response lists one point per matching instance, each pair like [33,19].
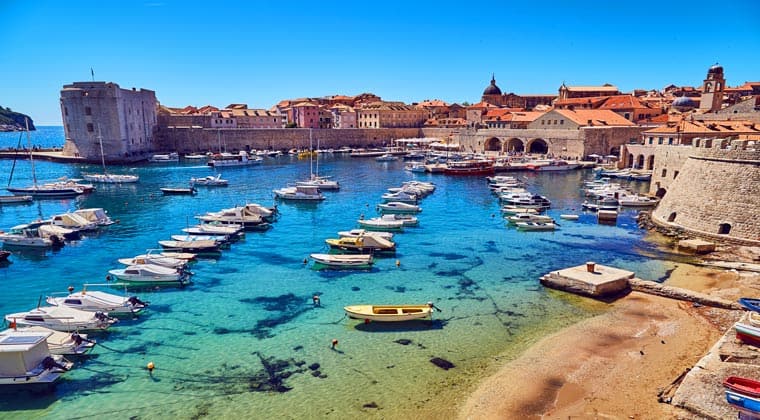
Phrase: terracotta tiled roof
[433,102]
[593,102]
[302,104]
[687,126]
[597,117]
[592,88]
[622,102]
[481,105]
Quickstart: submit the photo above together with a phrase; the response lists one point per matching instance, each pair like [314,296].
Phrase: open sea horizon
[244,339]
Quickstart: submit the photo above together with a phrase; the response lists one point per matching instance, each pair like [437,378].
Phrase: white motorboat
[638,201]
[249,217]
[378,223]
[28,238]
[203,247]
[569,216]
[210,229]
[399,208]
[149,274]
[299,193]
[210,181]
[386,157]
[195,156]
[343,260]
[198,238]
[601,204]
[73,221]
[155,259]
[535,226]
[15,199]
[62,318]
[97,301]
[405,218]
[529,217]
[96,215]
[164,158]
[185,256]
[400,197]
[362,244]
[242,158]
[354,233]
[55,233]
[321,182]
[417,167]
[26,359]
[63,343]
[519,209]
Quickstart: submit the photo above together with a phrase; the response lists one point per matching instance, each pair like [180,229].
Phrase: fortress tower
[123,118]
[712,89]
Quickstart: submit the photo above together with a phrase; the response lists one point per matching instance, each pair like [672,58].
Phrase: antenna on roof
[92,73]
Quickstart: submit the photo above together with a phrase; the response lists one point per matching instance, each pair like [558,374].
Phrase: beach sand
[615,364]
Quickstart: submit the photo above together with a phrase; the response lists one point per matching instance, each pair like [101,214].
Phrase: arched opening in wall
[639,162]
[724,228]
[614,151]
[493,145]
[650,163]
[672,217]
[538,146]
[629,161]
[514,145]
[660,192]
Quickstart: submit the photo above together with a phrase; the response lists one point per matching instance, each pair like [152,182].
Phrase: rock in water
[442,363]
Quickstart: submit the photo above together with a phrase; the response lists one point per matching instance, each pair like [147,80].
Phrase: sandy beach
[615,364]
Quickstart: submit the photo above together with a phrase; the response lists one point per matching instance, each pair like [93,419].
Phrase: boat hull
[389,313]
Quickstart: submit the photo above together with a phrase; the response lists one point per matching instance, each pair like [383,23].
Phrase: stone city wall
[188,140]
[715,189]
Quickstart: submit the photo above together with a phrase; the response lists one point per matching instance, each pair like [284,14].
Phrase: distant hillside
[13,121]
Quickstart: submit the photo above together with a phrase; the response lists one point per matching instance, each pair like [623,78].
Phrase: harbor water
[245,340]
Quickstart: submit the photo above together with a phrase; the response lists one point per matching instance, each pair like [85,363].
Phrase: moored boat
[360,261]
[15,199]
[744,386]
[470,167]
[378,223]
[242,158]
[178,191]
[529,217]
[299,193]
[362,244]
[207,246]
[61,318]
[164,158]
[535,226]
[399,208]
[149,274]
[360,232]
[390,313]
[26,359]
[209,181]
[748,334]
[97,301]
[63,343]
[752,304]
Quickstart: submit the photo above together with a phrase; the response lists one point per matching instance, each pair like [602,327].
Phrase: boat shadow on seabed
[415,325]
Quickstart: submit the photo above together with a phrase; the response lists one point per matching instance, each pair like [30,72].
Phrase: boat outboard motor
[50,363]
[56,240]
[102,317]
[135,301]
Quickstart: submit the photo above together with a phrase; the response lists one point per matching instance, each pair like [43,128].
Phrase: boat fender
[334,343]
[150,367]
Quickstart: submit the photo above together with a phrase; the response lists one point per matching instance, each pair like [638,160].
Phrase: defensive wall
[714,193]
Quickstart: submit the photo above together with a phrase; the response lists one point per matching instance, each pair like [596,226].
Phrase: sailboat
[105,177]
[321,182]
[51,190]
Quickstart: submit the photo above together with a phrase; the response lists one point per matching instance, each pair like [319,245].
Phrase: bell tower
[712,89]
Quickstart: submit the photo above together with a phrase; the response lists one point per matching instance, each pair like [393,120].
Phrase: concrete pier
[590,279]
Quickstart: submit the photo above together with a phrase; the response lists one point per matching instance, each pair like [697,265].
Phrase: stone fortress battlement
[714,193]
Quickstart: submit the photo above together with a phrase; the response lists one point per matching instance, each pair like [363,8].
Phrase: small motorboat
[636,200]
[353,233]
[360,261]
[321,182]
[535,226]
[61,318]
[518,209]
[164,158]
[191,246]
[529,217]
[179,191]
[387,157]
[362,244]
[569,216]
[209,181]
[222,239]
[299,193]
[27,359]
[149,274]
[378,223]
[97,301]
[28,238]
[96,215]
[210,229]
[15,199]
[399,208]
[400,197]
[63,343]
[416,167]
[390,313]
[744,386]
[406,219]
[156,259]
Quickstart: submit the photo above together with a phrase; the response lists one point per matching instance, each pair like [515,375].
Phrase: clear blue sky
[259,52]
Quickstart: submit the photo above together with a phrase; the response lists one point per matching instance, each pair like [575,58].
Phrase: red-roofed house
[574,119]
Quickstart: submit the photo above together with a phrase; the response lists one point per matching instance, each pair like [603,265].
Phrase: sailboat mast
[317,173]
[102,155]
[31,155]
[311,158]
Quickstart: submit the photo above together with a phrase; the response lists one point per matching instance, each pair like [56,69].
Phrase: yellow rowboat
[390,313]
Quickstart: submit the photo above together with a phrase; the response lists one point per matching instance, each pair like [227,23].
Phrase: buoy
[108,277]
[71,289]
[150,367]
[315,299]
[334,342]
[398,263]
[305,260]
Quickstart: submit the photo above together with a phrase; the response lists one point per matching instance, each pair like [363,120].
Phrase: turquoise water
[244,339]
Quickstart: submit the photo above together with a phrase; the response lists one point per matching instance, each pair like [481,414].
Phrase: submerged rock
[442,363]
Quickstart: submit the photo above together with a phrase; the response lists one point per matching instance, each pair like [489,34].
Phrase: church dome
[684,103]
[492,89]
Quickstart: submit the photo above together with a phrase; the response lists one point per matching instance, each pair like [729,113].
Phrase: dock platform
[590,279]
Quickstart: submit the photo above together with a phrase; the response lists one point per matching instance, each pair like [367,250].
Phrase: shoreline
[612,365]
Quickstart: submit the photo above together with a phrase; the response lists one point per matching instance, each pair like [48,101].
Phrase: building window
[65,111]
[675,174]
[87,110]
[670,140]
[659,140]
[561,122]
[664,172]
[724,229]
[90,128]
[672,217]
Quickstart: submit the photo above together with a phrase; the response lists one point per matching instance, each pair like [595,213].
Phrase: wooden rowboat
[748,334]
[750,303]
[390,313]
[744,386]
[343,261]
